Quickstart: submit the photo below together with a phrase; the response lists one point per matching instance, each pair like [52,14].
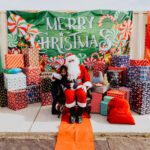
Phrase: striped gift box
[95,102]
[140,97]
[117,93]
[31,57]
[14,61]
[134,62]
[46,98]
[17,99]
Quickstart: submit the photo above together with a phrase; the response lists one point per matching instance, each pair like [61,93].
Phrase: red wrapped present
[33,80]
[14,61]
[31,57]
[137,62]
[17,99]
[46,99]
[117,93]
[127,90]
[124,72]
[95,103]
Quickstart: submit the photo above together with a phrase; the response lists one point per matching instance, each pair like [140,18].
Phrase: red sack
[119,112]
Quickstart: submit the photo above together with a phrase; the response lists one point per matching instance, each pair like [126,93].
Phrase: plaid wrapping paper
[117,93]
[46,75]
[31,57]
[95,102]
[115,78]
[120,61]
[14,61]
[46,98]
[46,85]
[1,80]
[124,72]
[140,97]
[138,73]
[137,62]
[33,94]
[17,99]
[3,97]
[15,81]
[98,66]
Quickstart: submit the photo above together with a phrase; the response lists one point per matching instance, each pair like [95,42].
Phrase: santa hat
[71,56]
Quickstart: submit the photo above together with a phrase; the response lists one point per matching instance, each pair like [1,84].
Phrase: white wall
[137,43]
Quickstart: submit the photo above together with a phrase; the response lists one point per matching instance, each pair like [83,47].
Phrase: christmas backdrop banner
[147,39]
[100,32]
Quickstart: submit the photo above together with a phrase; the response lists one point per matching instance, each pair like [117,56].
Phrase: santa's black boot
[79,114]
[72,115]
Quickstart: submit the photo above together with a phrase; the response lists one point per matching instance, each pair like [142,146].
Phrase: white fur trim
[70,105]
[88,84]
[81,104]
[72,57]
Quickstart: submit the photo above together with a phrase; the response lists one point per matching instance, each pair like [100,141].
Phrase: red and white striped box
[17,99]
[95,102]
[46,98]
[117,93]
[31,57]
[14,61]
[136,62]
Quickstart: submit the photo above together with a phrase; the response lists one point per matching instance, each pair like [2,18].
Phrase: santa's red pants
[72,96]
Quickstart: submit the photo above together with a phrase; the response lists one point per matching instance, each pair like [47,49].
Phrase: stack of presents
[22,82]
[124,79]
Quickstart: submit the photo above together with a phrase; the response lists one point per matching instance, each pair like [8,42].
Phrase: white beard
[73,70]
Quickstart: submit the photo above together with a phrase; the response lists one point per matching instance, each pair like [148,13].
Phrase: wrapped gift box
[33,94]
[46,75]
[115,78]
[31,57]
[17,99]
[14,61]
[1,80]
[31,80]
[127,90]
[137,62]
[124,72]
[3,97]
[46,98]
[140,97]
[117,93]
[95,102]
[104,108]
[101,89]
[46,85]
[107,98]
[15,81]
[138,73]
[120,61]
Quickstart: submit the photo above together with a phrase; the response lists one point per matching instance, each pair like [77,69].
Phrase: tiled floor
[35,118]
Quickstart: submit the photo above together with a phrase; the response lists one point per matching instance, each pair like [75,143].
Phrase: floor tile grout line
[34,119]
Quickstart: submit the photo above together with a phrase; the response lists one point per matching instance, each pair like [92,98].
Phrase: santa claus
[79,81]
[80,77]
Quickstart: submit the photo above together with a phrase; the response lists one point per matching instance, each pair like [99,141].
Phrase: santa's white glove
[55,76]
[82,87]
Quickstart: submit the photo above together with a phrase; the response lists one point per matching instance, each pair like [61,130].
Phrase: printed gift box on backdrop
[138,73]
[115,78]
[3,97]
[31,57]
[17,99]
[15,81]
[134,62]
[33,94]
[14,61]
[118,61]
[46,98]
[140,97]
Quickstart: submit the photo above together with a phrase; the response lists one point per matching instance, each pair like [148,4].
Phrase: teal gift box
[107,98]
[104,108]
